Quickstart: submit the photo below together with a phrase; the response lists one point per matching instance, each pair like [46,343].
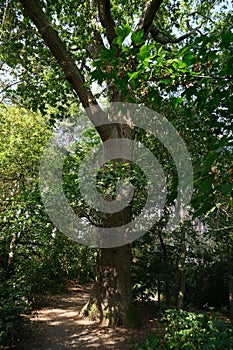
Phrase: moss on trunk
[111,298]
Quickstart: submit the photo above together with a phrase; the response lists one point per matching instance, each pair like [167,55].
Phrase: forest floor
[54,325]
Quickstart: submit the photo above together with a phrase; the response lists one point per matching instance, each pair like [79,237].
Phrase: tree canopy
[174,57]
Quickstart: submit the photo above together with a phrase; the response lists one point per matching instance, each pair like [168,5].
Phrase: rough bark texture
[106,19]
[150,10]
[65,61]
[111,300]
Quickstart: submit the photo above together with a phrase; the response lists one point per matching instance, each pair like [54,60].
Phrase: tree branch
[57,48]
[198,13]
[8,87]
[4,17]
[96,42]
[104,8]
[165,39]
[72,73]
[148,16]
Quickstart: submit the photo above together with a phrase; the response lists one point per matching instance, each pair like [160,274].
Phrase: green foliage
[137,38]
[43,259]
[14,300]
[189,330]
[122,34]
[189,82]
[151,265]
[184,330]
[152,343]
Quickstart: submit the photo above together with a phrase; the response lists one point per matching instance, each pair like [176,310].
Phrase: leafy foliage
[189,330]
[189,81]
[35,258]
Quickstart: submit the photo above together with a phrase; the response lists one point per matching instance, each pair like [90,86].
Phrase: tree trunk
[167,293]
[10,264]
[159,294]
[231,296]
[230,277]
[111,299]
[166,261]
[181,267]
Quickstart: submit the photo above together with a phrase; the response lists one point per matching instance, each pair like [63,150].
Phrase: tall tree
[81,52]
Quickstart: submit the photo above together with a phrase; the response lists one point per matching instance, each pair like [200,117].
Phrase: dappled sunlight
[57,326]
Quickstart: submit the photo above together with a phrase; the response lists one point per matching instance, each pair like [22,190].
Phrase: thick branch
[148,16]
[104,8]
[58,50]
[72,73]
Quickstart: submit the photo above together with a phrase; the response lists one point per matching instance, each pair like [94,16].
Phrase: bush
[188,330]
[220,336]
[13,302]
[152,342]
[184,329]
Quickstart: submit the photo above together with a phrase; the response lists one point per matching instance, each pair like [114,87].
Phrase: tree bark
[146,21]
[10,264]
[166,261]
[104,8]
[181,267]
[65,61]
[111,297]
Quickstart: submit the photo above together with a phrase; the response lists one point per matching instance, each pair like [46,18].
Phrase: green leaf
[144,52]
[182,52]
[209,160]
[189,59]
[176,101]
[226,189]
[108,53]
[98,75]
[134,75]
[204,208]
[97,63]
[226,39]
[122,33]
[137,37]
[206,185]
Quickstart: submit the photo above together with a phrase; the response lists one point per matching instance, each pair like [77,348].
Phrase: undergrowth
[189,331]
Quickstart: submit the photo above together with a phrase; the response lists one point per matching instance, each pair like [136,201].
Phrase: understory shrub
[189,330]
[152,342]
[14,300]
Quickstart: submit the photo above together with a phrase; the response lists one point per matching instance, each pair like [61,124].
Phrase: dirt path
[55,326]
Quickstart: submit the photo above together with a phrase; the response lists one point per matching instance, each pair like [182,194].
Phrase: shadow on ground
[55,326]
